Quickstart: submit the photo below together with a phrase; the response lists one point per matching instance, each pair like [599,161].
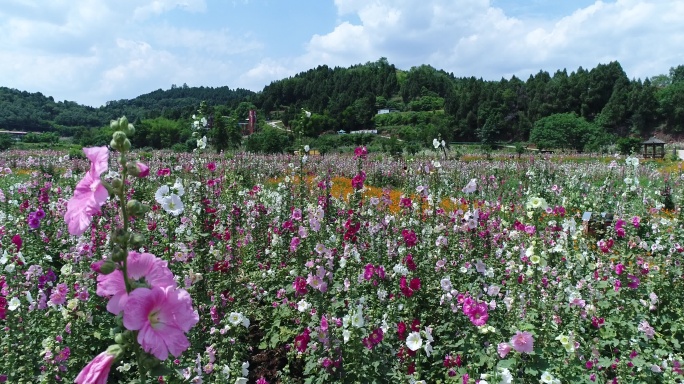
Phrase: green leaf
[508,363]
[161,370]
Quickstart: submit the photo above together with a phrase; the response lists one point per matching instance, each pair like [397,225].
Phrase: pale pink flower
[522,342]
[97,371]
[144,267]
[161,316]
[89,194]
[503,349]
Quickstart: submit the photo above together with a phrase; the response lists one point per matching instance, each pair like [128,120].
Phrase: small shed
[654,147]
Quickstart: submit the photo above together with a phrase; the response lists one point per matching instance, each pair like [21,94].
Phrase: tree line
[601,104]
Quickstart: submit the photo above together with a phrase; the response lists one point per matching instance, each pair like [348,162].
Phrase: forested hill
[422,102]
[24,111]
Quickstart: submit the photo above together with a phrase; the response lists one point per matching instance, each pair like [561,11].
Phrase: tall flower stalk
[142,292]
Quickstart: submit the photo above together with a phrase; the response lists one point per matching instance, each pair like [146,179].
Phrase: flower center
[153,318]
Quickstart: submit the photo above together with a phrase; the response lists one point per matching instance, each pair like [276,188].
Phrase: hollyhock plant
[90,194]
[161,316]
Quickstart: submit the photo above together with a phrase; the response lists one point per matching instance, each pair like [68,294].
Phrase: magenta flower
[522,342]
[161,316]
[89,194]
[97,371]
[143,169]
[479,315]
[360,152]
[144,267]
[16,240]
[357,181]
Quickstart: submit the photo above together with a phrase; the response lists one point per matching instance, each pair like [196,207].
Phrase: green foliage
[563,131]
[161,133]
[628,145]
[461,109]
[225,133]
[269,140]
[6,141]
[45,137]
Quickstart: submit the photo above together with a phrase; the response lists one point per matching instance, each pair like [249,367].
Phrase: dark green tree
[563,131]
[6,141]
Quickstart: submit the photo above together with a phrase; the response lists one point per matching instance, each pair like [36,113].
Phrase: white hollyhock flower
[14,304]
[178,187]
[173,205]
[414,341]
[235,318]
[303,306]
[470,187]
[162,193]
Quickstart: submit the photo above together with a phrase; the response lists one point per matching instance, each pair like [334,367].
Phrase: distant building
[16,135]
[387,110]
[366,131]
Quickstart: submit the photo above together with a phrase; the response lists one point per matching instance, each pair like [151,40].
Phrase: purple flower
[634,281]
[33,221]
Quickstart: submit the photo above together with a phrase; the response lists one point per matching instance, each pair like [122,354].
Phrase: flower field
[345,269]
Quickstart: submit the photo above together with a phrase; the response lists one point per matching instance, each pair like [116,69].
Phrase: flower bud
[117,183]
[138,169]
[114,125]
[115,350]
[137,240]
[118,254]
[119,338]
[126,146]
[123,123]
[107,267]
[119,137]
[130,130]
[134,207]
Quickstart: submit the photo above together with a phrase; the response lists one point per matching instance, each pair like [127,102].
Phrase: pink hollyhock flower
[522,342]
[503,349]
[143,169]
[89,194]
[97,371]
[144,267]
[161,316]
[479,315]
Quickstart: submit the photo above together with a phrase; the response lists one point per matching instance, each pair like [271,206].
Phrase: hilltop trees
[565,131]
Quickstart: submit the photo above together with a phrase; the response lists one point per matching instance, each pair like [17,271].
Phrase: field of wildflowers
[354,269]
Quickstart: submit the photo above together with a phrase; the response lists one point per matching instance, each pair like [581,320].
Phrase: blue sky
[92,51]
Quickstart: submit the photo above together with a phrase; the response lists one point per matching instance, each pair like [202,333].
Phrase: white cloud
[98,50]
[157,7]
[474,38]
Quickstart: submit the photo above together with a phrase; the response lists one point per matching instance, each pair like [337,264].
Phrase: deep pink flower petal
[97,371]
[143,169]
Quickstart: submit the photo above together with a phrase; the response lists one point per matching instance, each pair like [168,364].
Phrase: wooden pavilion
[653,147]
